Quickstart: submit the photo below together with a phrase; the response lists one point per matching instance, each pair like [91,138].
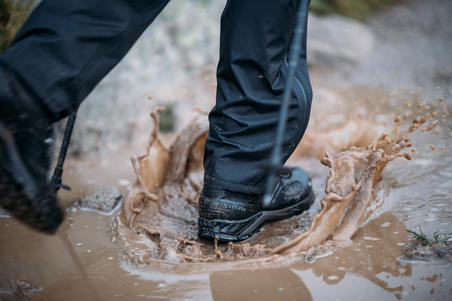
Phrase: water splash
[157,224]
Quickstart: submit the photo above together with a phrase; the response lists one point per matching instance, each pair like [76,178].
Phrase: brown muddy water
[91,258]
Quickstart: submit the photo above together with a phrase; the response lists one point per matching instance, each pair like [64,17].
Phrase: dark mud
[19,289]
[104,200]
[437,252]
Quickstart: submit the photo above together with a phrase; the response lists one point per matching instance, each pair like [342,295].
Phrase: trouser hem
[28,86]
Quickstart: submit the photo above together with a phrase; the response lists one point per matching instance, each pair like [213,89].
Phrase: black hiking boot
[234,216]
[26,142]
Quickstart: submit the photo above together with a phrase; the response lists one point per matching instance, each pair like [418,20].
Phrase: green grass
[438,238]
[13,14]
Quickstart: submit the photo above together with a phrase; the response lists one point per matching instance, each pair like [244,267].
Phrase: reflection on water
[262,284]
[375,250]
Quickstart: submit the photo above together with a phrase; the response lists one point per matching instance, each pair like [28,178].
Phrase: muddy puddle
[145,247]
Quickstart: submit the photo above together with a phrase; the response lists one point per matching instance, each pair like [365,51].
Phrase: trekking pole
[293,62]
[58,172]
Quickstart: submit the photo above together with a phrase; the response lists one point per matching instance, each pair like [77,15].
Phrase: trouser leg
[66,47]
[251,75]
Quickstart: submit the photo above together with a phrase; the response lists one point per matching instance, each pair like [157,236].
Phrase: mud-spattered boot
[234,216]
[26,142]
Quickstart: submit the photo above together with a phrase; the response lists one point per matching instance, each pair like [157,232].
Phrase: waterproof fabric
[66,47]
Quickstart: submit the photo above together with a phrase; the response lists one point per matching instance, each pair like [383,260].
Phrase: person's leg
[61,53]
[65,48]
[255,37]
[252,73]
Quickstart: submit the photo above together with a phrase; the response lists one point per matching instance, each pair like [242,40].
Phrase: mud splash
[332,129]
[158,221]
[353,176]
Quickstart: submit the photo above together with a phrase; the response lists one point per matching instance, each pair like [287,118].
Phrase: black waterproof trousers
[67,46]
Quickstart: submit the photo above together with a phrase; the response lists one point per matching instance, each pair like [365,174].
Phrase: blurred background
[173,63]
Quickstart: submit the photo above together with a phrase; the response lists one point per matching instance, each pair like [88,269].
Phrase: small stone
[104,200]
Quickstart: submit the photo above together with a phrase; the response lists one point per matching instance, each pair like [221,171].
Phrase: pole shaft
[294,54]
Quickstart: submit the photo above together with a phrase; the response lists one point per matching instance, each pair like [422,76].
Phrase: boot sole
[21,193]
[238,230]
